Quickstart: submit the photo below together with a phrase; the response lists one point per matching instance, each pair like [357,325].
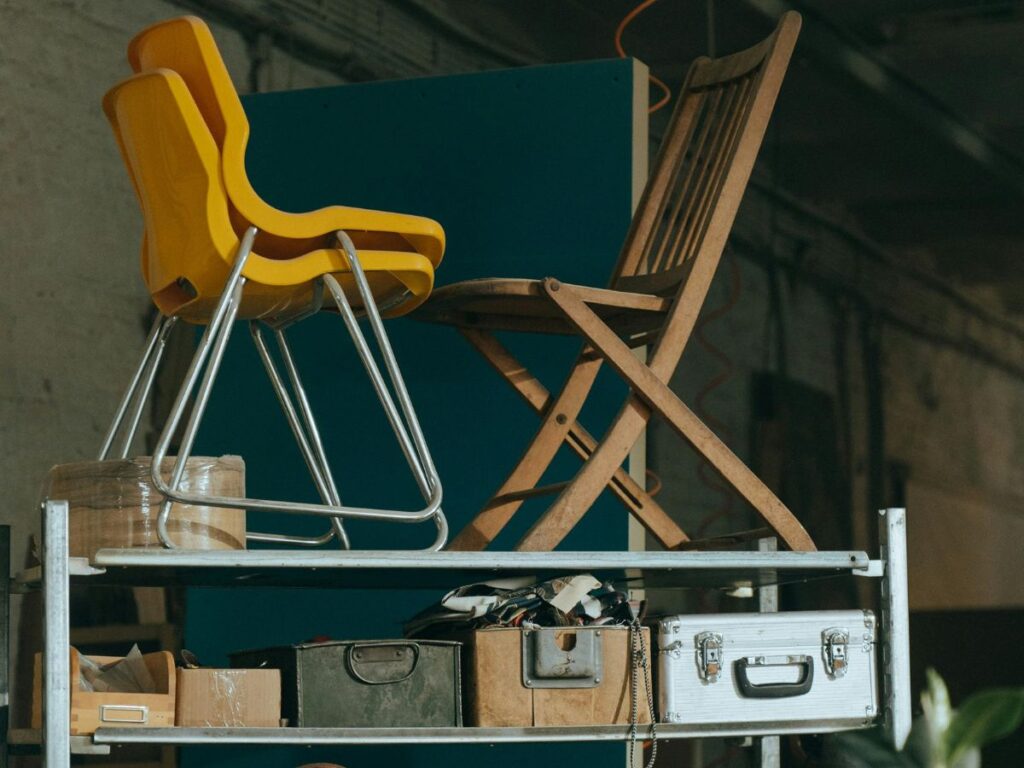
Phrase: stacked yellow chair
[215,252]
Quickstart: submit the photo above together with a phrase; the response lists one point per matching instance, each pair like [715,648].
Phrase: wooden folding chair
[655,295]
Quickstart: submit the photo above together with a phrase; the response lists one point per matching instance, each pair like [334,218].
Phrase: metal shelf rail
[347,569]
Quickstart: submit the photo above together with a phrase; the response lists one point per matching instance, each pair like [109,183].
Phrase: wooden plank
[538,456]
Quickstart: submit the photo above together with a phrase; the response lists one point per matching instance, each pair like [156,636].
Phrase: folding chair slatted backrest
[705,161]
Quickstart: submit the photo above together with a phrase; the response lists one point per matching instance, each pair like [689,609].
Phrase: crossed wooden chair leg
[603,461]
[558,426]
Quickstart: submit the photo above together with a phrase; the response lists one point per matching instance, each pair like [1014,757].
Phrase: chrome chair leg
[138,390]
[416,452]
[325,484]
[188,436]
[315,441]
[212,339]
[147,387]
[210,352]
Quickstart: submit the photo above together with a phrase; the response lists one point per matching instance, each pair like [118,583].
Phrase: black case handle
[775,690]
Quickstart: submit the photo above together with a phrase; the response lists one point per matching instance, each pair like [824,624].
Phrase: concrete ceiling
[907,118]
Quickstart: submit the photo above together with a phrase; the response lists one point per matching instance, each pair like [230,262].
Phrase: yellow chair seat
[400,282]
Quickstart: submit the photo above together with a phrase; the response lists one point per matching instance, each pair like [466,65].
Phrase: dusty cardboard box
[93,709]
[228,698]
[558,676]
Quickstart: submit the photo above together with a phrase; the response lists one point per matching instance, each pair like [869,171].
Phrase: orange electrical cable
[656,81]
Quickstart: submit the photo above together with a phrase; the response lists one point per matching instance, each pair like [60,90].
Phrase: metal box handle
[775,690]
[548,664]
[382,663]
[131,713]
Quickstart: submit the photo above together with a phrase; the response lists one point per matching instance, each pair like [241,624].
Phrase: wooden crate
[91,710]
[498,697]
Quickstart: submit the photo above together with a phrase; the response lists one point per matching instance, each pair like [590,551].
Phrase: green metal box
[365,683]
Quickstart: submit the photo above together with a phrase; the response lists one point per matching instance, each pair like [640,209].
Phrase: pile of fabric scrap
[569,601]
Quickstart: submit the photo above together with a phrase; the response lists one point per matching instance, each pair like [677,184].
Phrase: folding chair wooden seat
[213,252]
[656,291]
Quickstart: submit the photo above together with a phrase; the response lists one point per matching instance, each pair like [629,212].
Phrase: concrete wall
[951,413]
[73,305]
[73,308]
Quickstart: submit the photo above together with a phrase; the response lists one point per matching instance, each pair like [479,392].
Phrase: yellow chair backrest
[191,238]
[175,168]
[186,46]
[183,132]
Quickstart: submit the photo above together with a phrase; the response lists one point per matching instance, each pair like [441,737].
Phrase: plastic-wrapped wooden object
[113,504]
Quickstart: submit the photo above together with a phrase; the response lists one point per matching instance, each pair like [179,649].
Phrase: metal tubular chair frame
[662,277]
[138,390]
[216,336]
[204,366]
[315,460]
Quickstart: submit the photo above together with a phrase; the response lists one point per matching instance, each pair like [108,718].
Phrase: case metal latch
[709,655]
[834,642]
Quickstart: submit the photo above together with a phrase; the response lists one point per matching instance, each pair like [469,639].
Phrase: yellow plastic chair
[214,252]
[294,243]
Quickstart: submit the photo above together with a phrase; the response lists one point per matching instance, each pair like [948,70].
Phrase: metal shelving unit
[763,570]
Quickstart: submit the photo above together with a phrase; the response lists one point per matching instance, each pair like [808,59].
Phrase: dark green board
[530,173]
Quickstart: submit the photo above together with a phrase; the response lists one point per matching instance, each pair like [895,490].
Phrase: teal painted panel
[529,171]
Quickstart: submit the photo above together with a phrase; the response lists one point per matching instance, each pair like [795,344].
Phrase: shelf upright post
[5,642]
[768,602]
[56,637]
[895,625]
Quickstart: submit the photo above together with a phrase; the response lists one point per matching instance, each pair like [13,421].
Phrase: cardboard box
[91,710]
[570,679]
[228,698]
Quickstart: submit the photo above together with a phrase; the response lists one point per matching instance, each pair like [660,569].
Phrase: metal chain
[638,652]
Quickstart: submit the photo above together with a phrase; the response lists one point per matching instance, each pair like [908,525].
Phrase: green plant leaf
[983,718]
[969,759]
[938,714]
[867,749]
[919,747]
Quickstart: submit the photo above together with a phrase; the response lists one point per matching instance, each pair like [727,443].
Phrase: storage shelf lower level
[467,735]
[419,570]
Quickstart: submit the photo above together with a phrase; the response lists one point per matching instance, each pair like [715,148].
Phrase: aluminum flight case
[796,672]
